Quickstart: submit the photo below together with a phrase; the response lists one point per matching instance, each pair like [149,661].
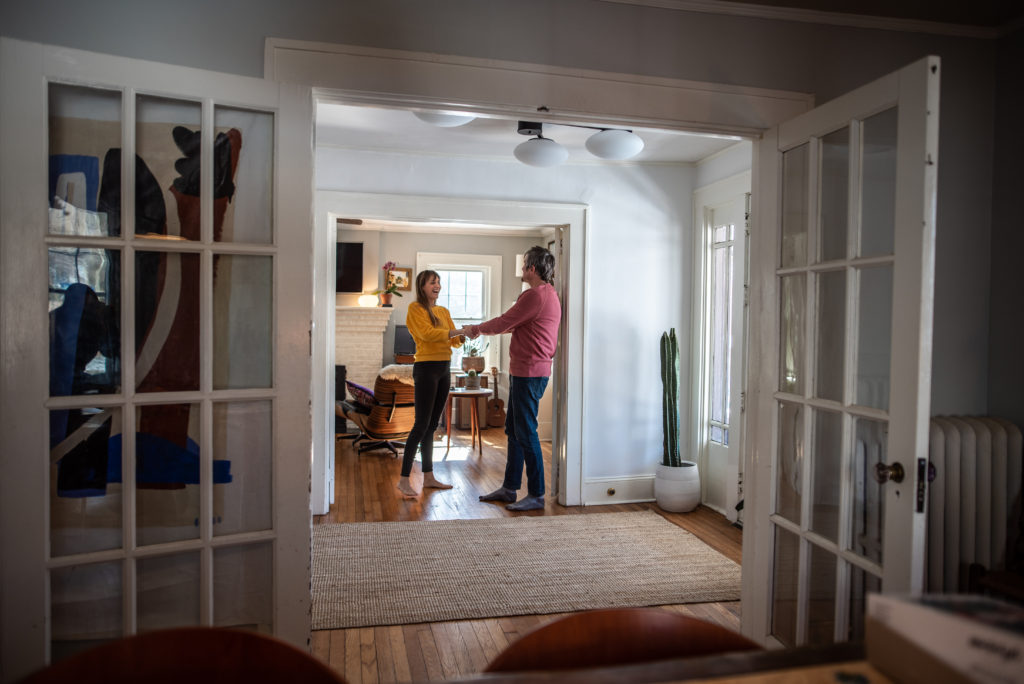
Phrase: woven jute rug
[405,572]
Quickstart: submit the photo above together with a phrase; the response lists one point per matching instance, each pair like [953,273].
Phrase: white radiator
[974,505]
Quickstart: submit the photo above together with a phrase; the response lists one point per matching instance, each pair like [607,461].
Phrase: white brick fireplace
[359,341]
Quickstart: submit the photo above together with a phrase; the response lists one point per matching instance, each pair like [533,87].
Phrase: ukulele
[495,407]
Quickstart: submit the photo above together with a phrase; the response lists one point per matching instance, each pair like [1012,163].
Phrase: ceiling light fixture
[538,151]
[615,144]
[444,119]
[607,143]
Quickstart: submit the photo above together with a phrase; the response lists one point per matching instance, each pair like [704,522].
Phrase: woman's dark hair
[421,279]
[542,261]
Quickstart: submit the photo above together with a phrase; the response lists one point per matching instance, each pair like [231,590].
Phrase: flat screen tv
[349,273]
[403,341]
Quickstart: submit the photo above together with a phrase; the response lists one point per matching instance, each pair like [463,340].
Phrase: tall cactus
[670,399]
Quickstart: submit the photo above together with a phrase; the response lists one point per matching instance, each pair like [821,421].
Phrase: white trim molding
[400,78]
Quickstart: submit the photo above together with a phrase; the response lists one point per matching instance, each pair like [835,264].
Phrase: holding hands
[470,331]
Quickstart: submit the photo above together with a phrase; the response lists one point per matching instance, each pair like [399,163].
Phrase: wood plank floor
[365,492]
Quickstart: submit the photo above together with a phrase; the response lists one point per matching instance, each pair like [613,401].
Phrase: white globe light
[615,144]
[444,119]
[541,152]
[367,300]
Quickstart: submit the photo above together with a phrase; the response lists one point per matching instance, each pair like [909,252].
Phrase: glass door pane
[84,189]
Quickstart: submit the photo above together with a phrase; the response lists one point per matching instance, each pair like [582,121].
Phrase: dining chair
[616,636]
[189,655]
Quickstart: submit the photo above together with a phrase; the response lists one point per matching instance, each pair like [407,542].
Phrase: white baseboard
[618,490]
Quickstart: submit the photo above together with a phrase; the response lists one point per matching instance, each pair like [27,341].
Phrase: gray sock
[500,494]
[530,503]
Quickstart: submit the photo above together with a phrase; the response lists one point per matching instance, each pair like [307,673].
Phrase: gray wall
[1006,334]
[823,60]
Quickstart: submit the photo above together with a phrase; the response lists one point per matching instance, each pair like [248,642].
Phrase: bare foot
[430,481]
[406,489]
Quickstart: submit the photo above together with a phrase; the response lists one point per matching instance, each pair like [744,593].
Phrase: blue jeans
[523,444]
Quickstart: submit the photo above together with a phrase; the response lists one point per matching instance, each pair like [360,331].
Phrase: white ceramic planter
[677,490]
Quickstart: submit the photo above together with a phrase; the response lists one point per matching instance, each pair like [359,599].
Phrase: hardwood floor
[365,492]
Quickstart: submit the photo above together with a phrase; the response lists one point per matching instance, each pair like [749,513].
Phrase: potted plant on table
[473,355]
[390,286]
[676,482]
[472,380]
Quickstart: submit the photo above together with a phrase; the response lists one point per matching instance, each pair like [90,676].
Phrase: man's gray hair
[542,261]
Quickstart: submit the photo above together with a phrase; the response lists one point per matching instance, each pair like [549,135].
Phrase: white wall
[638,274]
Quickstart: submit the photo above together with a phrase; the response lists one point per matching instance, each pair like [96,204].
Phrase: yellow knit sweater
[432,342]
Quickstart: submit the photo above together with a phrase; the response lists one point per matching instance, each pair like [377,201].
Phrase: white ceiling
[398,130]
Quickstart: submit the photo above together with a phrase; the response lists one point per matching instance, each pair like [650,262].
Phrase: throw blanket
[402,372]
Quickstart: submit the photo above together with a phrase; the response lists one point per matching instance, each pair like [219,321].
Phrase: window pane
[84,185]
[243,296]
[794,206]
[831,335]
[793,309]
[785,582]
[85,318]
[835,191]
[861,584]
[874,337]
[86,607]
[167,167]
[828,440]
[870,448]
[168,591]
[243,176]
[85,480]
[242,450]
[721,332]
[821,609]
[878,192]
[791,461]
[243,587]
[462,293]
[167,472]
[166,321]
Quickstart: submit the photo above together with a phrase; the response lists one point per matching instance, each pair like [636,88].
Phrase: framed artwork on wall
[401,278]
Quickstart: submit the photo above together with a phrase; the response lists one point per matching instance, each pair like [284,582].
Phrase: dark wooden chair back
[616,636]
[189,655]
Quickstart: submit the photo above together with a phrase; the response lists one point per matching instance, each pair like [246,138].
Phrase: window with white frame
[463,292]
[721,332]
[470,290]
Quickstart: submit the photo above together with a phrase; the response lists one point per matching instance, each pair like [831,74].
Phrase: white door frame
[399,78]
[568,372]
[704,199]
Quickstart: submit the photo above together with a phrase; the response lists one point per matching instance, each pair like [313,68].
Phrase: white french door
[156,297]
[841,319]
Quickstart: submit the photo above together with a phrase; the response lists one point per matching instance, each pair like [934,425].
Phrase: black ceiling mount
[530,128]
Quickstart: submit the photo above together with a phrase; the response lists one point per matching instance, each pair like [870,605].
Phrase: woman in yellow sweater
[432,329]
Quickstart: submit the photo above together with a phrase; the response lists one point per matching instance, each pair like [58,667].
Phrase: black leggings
[432,381]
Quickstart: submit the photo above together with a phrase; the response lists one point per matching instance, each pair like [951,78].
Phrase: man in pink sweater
[533,321]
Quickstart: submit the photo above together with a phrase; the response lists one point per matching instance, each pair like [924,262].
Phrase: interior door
[841,321]
[156,286]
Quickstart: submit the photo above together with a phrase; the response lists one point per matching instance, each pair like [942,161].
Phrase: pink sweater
[533,321]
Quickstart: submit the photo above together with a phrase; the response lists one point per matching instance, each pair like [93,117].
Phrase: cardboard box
[945,638]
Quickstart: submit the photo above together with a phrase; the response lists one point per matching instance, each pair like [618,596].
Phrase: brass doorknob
[885,473]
